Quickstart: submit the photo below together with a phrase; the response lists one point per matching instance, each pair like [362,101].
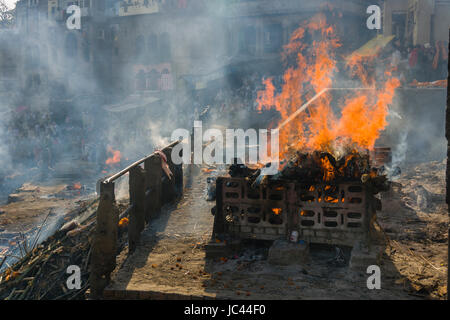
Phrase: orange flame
[331,199]
[311,67]
[115,158]
[124,222]
[77,186]
[328,169]
[266,97]
[277,211]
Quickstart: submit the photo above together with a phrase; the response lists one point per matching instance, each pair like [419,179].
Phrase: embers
[328,193]
[328,206]
[323,167]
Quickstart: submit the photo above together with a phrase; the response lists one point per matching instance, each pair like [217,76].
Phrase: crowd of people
[31,136]
[421,63]
[36,139]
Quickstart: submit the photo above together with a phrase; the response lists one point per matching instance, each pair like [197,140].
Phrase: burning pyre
[319,144]
[320,167]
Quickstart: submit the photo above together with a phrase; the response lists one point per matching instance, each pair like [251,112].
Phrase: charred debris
[319,167]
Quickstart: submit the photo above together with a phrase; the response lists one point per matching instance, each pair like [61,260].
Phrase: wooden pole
[104,246]
[137,200]
[153,182]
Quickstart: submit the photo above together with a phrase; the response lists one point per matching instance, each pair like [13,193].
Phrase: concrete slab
[283,252]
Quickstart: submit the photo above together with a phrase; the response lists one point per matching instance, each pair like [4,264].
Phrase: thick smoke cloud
[74,94]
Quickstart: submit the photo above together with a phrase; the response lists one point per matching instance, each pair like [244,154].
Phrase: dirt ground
[31,203]
[171,257]
[34,212]
[415,219]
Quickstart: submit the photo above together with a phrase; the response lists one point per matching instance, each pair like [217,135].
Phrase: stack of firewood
[42,274]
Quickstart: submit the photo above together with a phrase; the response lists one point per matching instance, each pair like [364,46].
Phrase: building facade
[417,22]
[158,46]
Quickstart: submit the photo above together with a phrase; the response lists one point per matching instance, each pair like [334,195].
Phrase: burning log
[319,167]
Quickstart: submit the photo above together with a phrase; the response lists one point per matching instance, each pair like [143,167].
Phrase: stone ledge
[283,252]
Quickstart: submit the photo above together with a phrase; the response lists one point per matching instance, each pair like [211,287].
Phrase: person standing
[440,61]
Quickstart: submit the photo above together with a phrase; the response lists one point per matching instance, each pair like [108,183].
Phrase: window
[152,79]
[247,40]
[273,38]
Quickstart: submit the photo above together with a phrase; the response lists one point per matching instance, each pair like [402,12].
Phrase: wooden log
[153,182]
[104,246]
[137,200]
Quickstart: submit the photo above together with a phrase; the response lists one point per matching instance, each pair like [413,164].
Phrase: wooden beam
[104,246]
[153,182]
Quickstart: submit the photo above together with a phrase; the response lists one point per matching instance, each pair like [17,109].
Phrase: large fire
[312,66]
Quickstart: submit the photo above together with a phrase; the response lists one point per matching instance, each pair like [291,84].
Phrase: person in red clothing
[413,55]
[440,61]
